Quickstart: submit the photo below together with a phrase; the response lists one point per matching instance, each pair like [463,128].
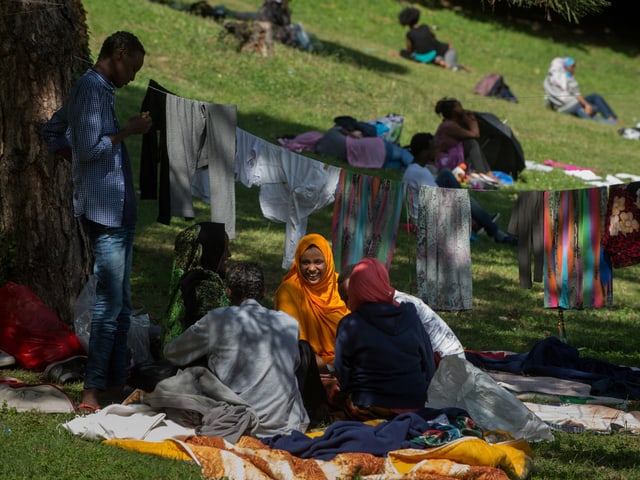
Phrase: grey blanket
[195,397]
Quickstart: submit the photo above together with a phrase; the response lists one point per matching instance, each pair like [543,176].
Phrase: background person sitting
[423,46]
[421,173]
[456,139]
[200,257]
[563,94]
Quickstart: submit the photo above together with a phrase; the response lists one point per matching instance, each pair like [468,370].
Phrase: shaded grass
[293,92]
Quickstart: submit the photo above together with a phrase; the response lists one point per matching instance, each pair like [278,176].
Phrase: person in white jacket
[563,94]
[443,341]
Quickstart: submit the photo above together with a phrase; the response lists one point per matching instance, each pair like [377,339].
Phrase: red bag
[31,332]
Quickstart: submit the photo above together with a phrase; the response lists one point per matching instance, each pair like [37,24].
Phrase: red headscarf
[369,282]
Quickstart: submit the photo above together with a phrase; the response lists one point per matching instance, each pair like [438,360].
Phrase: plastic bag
[31,332]
[137,337]
[458,383]
[82,311]
[390,127]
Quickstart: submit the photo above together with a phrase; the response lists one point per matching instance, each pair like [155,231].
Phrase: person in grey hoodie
[253,350]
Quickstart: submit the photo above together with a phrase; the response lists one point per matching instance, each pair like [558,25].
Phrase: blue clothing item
[113,251]
[384,357]
[346,436]
[396,157]
[101,171]
[599,106]
[427,57]
[553,358]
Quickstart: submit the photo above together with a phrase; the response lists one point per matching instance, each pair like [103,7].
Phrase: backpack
[493,85]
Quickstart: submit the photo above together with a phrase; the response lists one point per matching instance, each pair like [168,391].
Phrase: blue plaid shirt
[103,189]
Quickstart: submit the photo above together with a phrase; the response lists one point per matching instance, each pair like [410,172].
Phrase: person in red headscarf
[384,361]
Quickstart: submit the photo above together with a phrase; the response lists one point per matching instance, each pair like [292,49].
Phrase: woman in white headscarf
[563,94]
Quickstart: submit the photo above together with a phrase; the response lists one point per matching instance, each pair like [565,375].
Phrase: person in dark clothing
[384,360]
[422,172]
[422,44]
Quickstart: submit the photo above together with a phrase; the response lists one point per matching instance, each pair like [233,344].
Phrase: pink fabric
[301,143]
[369,282]
[367,152]
[450,159]
[568,167]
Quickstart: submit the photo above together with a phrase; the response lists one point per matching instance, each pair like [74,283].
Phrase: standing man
[86,131]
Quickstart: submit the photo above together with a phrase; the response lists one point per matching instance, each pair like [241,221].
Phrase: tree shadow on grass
[359,58]
[614,27]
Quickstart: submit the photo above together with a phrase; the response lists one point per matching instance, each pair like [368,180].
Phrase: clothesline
[464,98]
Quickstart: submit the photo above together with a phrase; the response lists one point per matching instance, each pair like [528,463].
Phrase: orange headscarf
[369,282]
[318,308]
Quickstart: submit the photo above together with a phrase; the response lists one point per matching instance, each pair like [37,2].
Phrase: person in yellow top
[309,293]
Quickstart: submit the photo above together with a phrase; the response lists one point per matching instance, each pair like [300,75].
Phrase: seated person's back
[251,349]
[383,355]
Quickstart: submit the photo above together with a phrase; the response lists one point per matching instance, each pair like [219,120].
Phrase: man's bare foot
[89,403]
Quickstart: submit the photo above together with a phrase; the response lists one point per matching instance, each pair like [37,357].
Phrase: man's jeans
[598,105]
[107,356]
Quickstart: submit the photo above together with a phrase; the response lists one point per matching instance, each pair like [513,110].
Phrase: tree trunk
[43,48]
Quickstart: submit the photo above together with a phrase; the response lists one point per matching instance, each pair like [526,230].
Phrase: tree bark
[43,49]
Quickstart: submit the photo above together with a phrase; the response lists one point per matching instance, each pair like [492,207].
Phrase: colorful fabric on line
[577,273]
[443,256]
[366,216]
[621,238]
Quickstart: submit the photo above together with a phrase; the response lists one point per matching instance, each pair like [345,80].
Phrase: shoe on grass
[494,219]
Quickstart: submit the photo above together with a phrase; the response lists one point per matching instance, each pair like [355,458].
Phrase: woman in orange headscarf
[309,293]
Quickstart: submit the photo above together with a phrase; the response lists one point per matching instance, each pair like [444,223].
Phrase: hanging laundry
[154,158]
[577,274]
[443,255]
[621,238]
[527,223]
[366,216]
[192,135]
[292,187]
[202,135]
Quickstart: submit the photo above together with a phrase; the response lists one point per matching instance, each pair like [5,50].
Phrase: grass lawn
[357,74]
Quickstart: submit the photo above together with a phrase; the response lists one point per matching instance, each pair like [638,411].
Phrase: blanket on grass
[553,358]
[250,459]
[43,397]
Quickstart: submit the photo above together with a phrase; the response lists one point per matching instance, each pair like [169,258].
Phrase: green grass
[292,92]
